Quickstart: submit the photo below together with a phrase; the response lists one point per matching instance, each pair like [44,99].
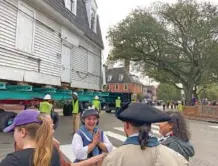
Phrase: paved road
[204,138]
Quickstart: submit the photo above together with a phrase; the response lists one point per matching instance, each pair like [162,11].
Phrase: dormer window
[109,78]
[93,19]
[121,76]
[71,5]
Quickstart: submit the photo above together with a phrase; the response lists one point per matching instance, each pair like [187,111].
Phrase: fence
[202,111]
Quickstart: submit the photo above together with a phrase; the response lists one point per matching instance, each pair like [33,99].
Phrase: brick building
[120,80]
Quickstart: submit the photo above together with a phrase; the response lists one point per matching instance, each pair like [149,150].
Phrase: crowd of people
[35,144]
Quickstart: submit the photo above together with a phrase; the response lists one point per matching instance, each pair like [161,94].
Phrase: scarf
[96,150]
[151,142]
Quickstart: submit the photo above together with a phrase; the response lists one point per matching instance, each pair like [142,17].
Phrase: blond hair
[43,136]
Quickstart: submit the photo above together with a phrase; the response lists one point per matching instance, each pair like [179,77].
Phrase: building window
[109,78]
[25,28]
[93,20]
[71,5]
[116,86]
[125,87]
[121,76]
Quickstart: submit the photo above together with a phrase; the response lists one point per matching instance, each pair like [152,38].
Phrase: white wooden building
[51,42]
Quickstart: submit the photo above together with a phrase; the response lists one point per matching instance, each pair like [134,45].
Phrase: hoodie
[180,146]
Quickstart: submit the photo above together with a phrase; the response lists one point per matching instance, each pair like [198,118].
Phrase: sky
[113,11]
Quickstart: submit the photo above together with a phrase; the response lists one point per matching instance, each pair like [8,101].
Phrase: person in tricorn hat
[140,147]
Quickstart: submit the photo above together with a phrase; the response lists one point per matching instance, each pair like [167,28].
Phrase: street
[204,138]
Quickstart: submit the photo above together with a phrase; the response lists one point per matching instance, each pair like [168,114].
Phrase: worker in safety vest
[76,111]
[96,103]
[45,106]
[117,103]
[180,106]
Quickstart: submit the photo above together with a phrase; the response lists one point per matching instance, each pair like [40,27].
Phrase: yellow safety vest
[180,107]
[45,107]
[96,103]
[75,106]
[118,103]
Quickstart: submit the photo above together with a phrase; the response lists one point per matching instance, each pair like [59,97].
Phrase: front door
[66,64]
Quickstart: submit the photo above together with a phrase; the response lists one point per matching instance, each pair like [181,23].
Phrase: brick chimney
[127,65]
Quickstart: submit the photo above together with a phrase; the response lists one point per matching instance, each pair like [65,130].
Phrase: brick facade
[126,87]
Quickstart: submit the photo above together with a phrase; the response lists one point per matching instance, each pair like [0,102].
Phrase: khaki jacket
[132,155]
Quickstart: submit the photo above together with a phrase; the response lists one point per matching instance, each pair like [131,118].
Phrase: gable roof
[80,19]
[115,72]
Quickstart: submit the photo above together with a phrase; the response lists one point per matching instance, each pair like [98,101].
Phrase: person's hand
[96,138]
[96,159]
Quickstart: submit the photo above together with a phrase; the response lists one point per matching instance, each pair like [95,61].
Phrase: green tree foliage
[211,92]
[168,92]
[174,43]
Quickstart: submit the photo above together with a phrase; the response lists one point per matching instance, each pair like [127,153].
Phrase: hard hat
[76,94]
[47,97]
[118,97]
[96,97]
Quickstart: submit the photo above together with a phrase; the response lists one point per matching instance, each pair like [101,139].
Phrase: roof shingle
[115,72]
[80,19]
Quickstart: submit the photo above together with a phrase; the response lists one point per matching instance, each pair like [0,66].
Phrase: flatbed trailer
[15,98]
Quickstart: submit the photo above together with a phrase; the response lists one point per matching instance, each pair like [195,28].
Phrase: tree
[175,44]
[168,92]
[211,92]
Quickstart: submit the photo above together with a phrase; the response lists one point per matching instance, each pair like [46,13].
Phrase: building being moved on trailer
[50,42]
[47,47]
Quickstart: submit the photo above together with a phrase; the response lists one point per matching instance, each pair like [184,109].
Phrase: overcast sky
[113,11]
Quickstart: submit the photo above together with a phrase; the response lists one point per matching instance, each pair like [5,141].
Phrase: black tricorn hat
[139,113]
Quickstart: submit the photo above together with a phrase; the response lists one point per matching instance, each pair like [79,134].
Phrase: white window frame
[73,9]
[116,86]
[20,3]
[95,19]
[109,76]
[125,87]
[121,76]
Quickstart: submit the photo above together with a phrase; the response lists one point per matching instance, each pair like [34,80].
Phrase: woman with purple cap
[63,161]
[33,133]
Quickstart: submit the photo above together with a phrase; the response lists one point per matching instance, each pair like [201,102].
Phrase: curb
[202,119]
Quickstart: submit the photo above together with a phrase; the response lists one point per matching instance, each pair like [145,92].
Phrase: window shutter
[25,29]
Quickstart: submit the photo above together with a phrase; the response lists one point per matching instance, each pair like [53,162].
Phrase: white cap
[47,97]
[74,93]
[96,97]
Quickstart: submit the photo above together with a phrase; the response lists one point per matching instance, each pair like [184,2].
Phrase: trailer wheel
[67,110]
[1,110]
[6,120]
[108,109]
[56,119]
